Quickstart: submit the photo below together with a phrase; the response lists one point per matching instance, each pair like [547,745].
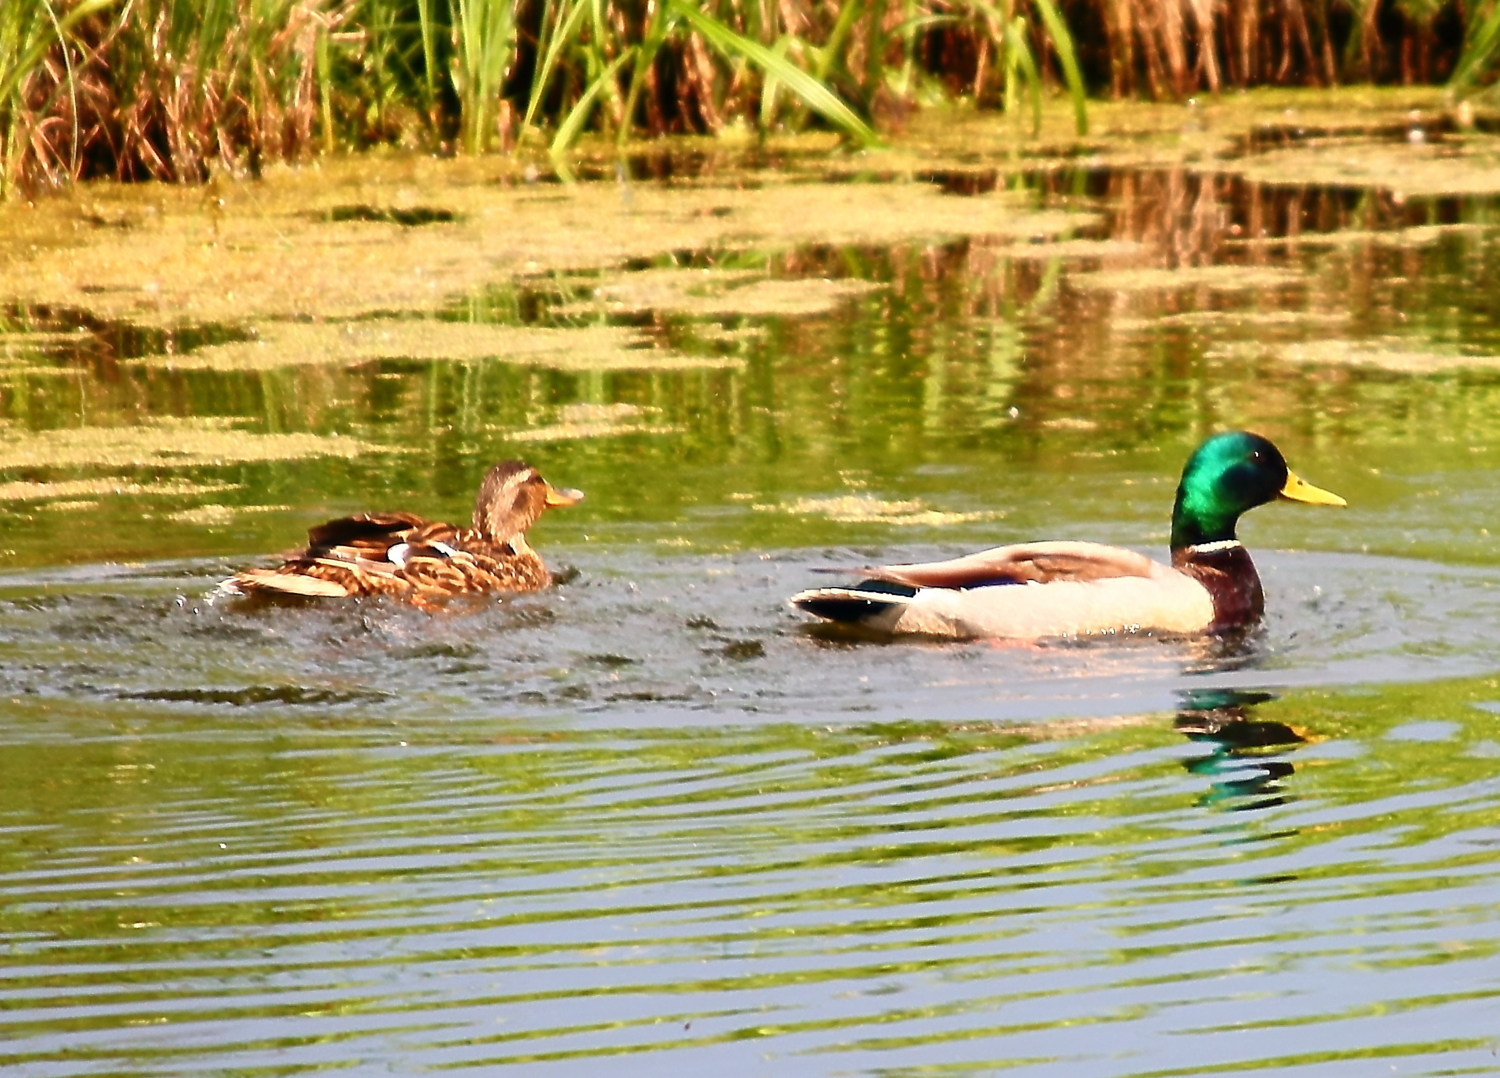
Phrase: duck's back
[397,554]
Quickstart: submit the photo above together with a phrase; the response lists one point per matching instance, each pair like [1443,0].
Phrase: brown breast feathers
[1228,574]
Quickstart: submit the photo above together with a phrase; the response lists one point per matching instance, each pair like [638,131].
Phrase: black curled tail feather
[885,587]
[867,603]
[850,610]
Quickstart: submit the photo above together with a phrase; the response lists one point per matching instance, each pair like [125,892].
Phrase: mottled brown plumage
[417,560]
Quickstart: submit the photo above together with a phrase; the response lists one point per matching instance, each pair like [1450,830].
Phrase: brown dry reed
[177,89]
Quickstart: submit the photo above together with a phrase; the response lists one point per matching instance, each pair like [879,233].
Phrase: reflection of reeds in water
[170,89]
[1176,47]
[1183,302]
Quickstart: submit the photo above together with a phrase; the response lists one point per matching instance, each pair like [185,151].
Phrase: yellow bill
[1300,490]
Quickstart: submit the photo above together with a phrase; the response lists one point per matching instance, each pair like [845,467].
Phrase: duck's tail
[260,581]
[874,604]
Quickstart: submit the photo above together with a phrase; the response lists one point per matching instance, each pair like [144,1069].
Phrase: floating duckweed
[783,297]
[851,509]
[717,333]
[1412,169]
[1072,249]
[75,488]
[1417,236]
[350,343]
[216,515]
[270,251]
[1230,319]
[565,432]
[1132,132]
[1427,235]
[717,293]
[39,338]
[592,421]
[1335,352]
[656,290]
[1214,278]
[588,412]
[172,443]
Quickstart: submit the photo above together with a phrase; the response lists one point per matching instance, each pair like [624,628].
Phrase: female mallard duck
[1086,589]
[405,556]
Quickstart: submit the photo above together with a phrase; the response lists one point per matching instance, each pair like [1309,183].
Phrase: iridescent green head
[1228,475]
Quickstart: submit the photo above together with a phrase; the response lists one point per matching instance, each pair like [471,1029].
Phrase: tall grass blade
[814,94]
[563,35]
[34,46]
[325,89]
[428,31]
[908,49]
[771,89]
[1020,63]
[833,46]
[1062,44]
[1020,51]
[62,35]
[486,32]
[1481,45]
[570,128]
[663,18]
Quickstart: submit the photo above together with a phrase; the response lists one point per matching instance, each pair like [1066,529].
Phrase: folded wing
[1022,563]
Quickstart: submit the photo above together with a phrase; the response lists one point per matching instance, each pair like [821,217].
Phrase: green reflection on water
[972,380]
[861,890]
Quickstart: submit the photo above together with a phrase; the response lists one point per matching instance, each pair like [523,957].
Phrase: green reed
[173,89]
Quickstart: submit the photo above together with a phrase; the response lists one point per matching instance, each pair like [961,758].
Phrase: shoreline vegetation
[179,90]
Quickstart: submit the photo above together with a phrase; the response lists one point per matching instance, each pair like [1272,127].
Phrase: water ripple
[885,897]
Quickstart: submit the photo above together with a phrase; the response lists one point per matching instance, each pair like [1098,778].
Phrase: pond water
[650,822]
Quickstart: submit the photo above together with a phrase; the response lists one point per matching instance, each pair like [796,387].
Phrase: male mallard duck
[1084,589]
[418,560]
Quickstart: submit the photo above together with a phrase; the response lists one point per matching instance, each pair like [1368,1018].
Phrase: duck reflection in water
[1243,765]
